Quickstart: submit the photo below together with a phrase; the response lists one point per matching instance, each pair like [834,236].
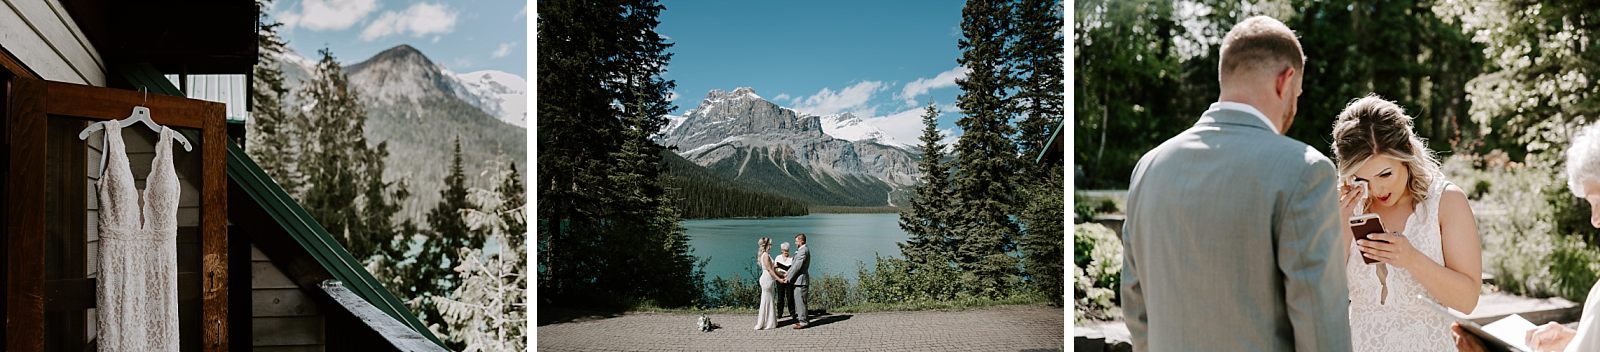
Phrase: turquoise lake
[837,241]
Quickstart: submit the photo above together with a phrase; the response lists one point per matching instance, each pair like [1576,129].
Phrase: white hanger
[140,114]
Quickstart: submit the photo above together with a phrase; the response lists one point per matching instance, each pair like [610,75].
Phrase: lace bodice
[1401,322]
[136,297]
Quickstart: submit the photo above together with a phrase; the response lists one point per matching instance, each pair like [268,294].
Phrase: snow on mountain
[673,122]
[849,127]
[499,93]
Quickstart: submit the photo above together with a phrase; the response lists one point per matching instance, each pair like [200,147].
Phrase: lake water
[836,241]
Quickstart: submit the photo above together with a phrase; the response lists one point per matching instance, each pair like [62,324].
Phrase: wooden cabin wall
[140,147]
[45,38]
[283,317]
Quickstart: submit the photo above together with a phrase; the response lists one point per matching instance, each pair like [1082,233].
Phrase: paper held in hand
[1507,334]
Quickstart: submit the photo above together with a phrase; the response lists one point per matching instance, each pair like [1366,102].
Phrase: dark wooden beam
[10,63]
[115,104]
[214,228]
[25,218]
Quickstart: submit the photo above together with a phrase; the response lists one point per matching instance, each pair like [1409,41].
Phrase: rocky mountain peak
[402,74]
[731,130]
[724,114]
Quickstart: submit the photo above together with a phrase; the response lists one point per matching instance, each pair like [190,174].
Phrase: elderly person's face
[1591,191]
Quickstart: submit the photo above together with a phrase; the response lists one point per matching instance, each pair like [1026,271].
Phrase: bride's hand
[1348,195]
[1397,252]
[1550,337]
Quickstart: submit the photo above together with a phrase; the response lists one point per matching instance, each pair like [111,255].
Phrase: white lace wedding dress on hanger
[137,296]
[1399,321]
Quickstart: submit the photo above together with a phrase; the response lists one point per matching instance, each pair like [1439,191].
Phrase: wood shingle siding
[281,314]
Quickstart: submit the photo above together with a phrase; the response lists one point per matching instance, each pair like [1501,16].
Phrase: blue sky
[462,35]
[871,58]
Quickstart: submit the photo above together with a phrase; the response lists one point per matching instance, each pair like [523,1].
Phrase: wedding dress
[137,297]
[1399,321]
[766,317]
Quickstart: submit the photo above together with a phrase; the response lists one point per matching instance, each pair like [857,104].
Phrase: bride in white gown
[1430,242]
[766,316]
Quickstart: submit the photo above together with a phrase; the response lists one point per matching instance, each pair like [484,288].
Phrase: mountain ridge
[417,107]
[747,138]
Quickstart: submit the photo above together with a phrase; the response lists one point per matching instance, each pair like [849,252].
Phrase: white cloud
[322,15]
[419,20]
[921,86]
[905,126]
[853,99]
[522,14]
[783,96]
[503,50]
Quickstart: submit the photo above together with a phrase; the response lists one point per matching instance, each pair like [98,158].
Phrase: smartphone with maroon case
[1363,226]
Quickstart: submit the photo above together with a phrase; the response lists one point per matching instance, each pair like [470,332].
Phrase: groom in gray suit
[797,277]
[1232,239]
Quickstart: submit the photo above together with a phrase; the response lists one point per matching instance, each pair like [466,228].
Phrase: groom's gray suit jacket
[798,268]
[1232,243]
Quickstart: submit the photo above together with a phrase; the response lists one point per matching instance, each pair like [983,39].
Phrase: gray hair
[1583,159]
[784,246]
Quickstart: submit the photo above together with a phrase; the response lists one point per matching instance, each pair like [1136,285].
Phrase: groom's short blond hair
[1260,43]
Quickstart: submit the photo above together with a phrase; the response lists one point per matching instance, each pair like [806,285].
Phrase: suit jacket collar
[1230,113]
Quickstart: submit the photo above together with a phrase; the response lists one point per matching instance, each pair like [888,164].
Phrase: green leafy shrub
[1535,235]
[898,280]
[829,292]
[731,292]
[1082,210]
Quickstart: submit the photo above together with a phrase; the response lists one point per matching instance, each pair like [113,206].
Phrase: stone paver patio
[1006,328]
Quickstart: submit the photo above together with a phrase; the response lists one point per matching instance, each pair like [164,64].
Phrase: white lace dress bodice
[137,297]
[1401,322]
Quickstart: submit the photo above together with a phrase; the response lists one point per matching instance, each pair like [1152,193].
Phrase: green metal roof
[243,172]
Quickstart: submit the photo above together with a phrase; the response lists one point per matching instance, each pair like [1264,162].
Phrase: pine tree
[645,209]
[516,218]
[272,140]
[1043,233]
[985,156]
[926,221]
[1036,67]
[432,275]
[344,187]
[576,132]
[608,232]
[487,311]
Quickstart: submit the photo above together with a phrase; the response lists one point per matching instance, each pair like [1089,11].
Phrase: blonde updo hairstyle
[1370,127]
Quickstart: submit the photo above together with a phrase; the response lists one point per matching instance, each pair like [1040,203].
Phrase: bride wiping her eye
[1428,244]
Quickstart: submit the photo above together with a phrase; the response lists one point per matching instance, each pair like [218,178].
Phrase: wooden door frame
[31,101]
